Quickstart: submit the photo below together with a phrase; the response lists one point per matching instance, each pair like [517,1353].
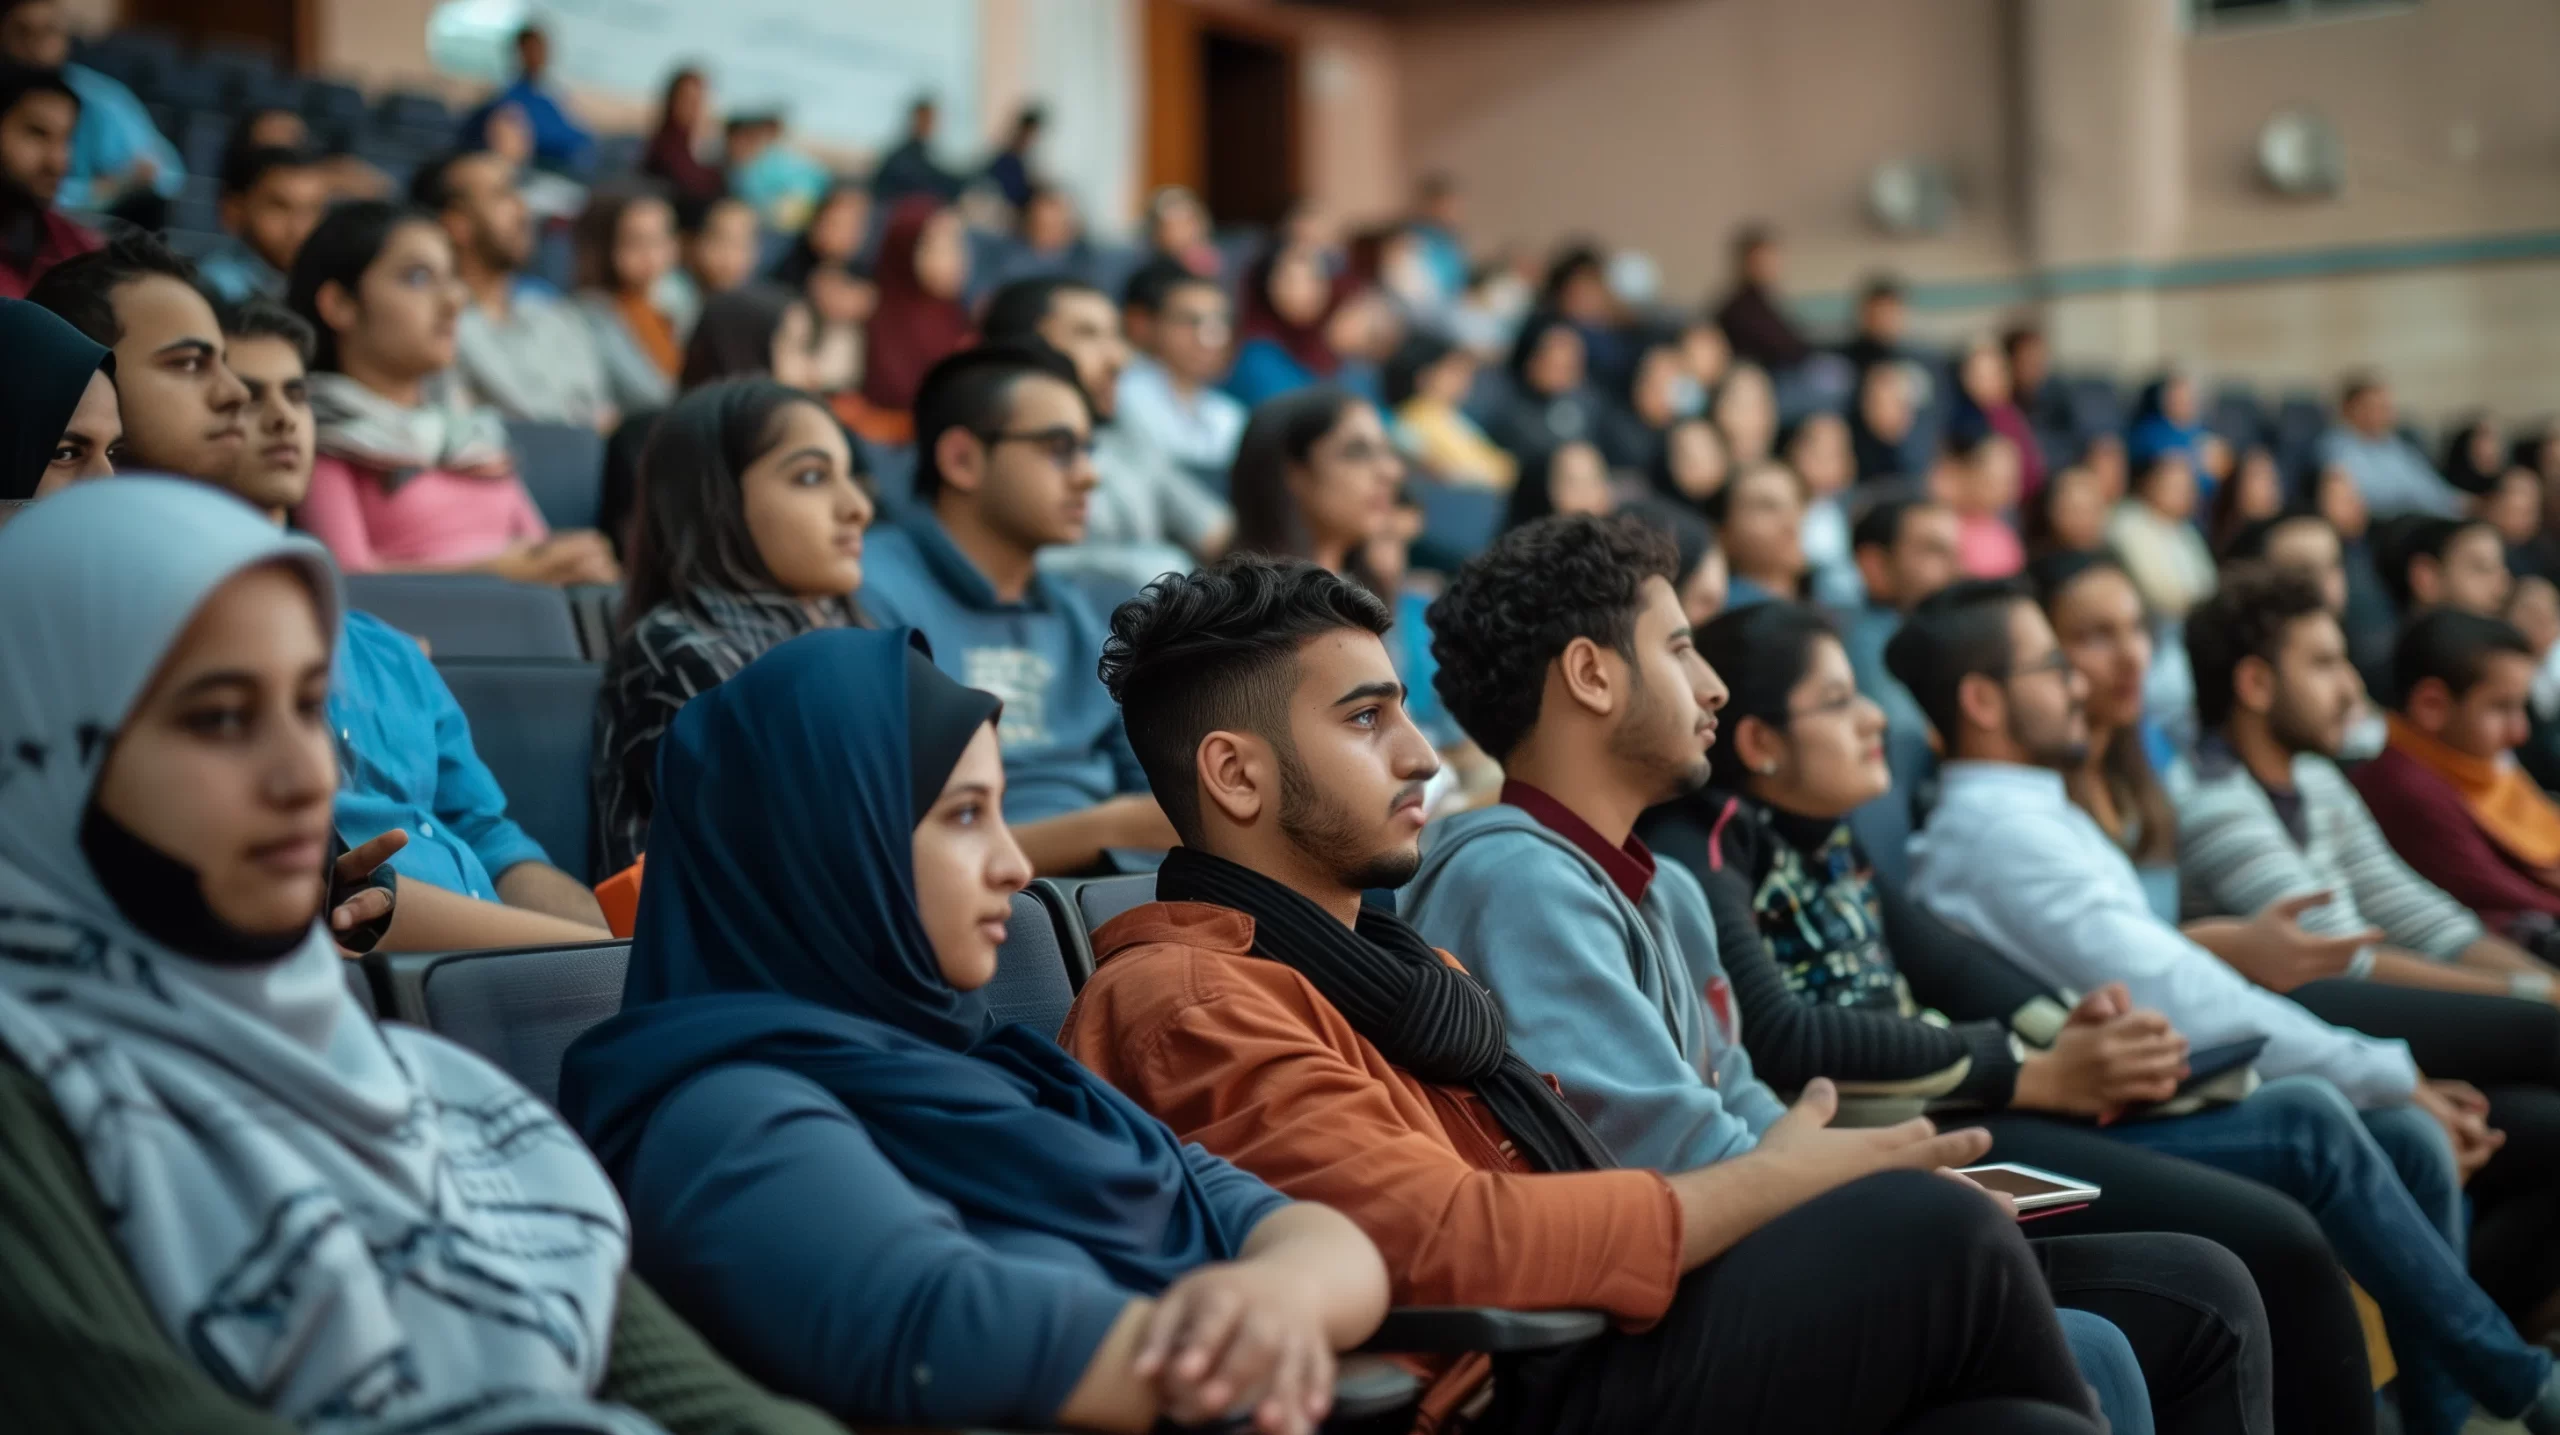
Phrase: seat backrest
[470,615]
[523,1006]
[562,466]
[360,986]
[1104,898]
[534,725]
[1032,983]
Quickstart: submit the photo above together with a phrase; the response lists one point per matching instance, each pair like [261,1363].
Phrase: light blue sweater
[1626,1005]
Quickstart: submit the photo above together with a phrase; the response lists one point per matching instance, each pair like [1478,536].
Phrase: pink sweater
[437,519]
[1987,547]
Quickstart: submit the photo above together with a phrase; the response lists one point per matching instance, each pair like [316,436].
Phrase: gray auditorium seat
[522,1007]
[1104,898]
[562,466]
[1033,983]
[470,615]
[534,725]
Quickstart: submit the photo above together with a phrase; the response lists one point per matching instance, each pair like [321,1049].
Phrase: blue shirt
[1264,370]
[114,131]
[1064,749]
[405,760]
[236,273]
[558,140]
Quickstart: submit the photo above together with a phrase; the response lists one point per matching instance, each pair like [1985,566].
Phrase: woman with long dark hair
[625,242]
[670,157]
[1281,341]
[923,270]
[748,532]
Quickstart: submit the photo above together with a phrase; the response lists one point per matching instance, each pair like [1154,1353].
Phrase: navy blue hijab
[778,926]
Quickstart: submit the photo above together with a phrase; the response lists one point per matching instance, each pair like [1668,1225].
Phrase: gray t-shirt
[539,363]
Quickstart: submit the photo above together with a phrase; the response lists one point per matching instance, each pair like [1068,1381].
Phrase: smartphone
[2218,1061]
[2031,1189]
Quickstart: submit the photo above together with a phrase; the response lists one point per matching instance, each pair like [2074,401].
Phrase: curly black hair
[2248,618]
[1515,607]
[1217,649]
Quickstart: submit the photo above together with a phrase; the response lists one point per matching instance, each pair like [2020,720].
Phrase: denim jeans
[2107,1362]
[2381,1184]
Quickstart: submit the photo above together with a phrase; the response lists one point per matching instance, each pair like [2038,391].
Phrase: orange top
[1244,1056]
[2503,798]
[653,331]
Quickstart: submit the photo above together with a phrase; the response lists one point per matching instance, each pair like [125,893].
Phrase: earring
[1766,768]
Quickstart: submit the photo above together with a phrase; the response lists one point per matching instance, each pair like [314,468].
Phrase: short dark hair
[1514,608]
[2247,617]
[1416,356]
[2250,542]
[2356,385]
[973,390]
[2400,542]
[1762,652]
[1016,311]
[2453,647]
[338,252]
[1751,236]
[243,169]
[1192,654]
[19,81]
[431,188]
[82,289]
[694,211]
[1152,286]
[1880,526]
[259,317]
[1880,286]
[1958,632]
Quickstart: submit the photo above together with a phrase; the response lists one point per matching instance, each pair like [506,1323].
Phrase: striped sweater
[2240,849]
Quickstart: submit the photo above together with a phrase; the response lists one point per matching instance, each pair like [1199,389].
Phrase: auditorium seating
[471,615]
[562,466]
[534,725]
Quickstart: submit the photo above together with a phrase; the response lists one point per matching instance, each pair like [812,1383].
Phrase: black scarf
[1423,1015]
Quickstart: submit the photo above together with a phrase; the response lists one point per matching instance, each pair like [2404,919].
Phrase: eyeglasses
[1847,702]
[1063,445]
[2057,661]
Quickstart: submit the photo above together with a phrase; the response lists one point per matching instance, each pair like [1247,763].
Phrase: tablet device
[2031,1189]
[2219,1061]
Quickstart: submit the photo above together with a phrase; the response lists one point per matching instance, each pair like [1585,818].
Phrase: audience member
[519,350]
[1181,327]
[180,406]
[1906,549]
[2298,542]
[2167,416]
[2008,858]
[560,143]
[2389,472]
[1570,477]
[670,157]
[2475,456]
[1548,398]
[344,175]
[1746,413]
[909,168]
[1659,391]
[805,1028]
[782,184]
[625,244]
[38,112]
[2445,562]
[1010,166]
[408,477]
[2099,621]
[1145,516]
[1048,242]
[1605,961]
[1985,394]
[923,269]
[760,328]
[1817,448]
[1751,314]
[1703,580]
[2446,792]
[119,161]
[1976,476]
[716,247]
[1252,1011]
[1289,303]
[2037,393]
[1759,518]
[1004,448]
[179,1003]
[1883,325]
[2154,532]
[272,199]
[59,420]
[1695,463]
[2253,492]
[749,532]
[832,239]
[1884,427]
[2069,514]
[1178,229]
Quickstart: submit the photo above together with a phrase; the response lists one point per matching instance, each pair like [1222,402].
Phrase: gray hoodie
[1626,1005]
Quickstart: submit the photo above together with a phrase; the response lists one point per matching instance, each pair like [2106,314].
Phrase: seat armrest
[1455,1329]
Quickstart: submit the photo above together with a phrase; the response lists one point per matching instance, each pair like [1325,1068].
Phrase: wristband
[2532,986]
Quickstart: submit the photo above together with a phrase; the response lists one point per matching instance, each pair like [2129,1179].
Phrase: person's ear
[2430,705]
[1589,676]
[1983,703]
[961,459]
[1239,775]
[1758,746]
[1873,569]
[338,308]
[2253,684]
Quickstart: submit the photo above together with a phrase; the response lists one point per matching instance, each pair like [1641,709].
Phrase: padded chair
[1104,898]
[360,986]
[534,725]
[562,465]
[408,109]
[471,615]
[520,1007]
[1458,521]
[1042,962]
[592,607]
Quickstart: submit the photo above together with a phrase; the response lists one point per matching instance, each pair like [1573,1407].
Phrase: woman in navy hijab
[855,1181]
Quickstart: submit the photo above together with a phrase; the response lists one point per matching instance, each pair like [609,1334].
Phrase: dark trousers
[2191,1311]
[2510,1049]
[2321,1381]
[1899,1303]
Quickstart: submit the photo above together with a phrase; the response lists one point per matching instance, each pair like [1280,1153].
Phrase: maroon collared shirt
[1630,867]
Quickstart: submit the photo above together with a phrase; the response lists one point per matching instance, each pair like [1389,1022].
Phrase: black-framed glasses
[1064,445]
[2056,661]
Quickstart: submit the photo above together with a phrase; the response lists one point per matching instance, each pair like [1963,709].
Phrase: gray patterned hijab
[360,1229]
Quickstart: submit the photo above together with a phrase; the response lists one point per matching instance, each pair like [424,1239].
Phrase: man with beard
[518,348]
[2007,857]
[1259,1009]
[38,112]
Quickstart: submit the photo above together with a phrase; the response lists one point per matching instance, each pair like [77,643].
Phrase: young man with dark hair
[119,160]
[523,351]
[1259,1008]
[2009,858]
[272,198]
[1883,321]
[1183,330]
[181,404]
[1146,518]
[909,167]
[2271,818]
[2451,562]
[1753,316]
[559,142]
[2445,790]
[38,113]
[1905,549]
[1004,471]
